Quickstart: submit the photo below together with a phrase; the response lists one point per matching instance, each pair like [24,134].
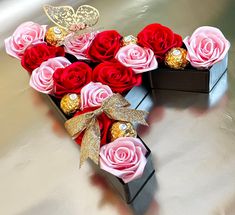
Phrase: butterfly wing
[62,16]
[88,15]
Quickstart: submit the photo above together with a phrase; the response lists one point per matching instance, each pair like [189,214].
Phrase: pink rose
[77,45]
[26,34]
[138,58]
[124,158]
[206,46]
[42,77]
[93,94]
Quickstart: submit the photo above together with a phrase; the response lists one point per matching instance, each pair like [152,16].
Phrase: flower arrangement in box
[87,72]
[193,64]
[83,70]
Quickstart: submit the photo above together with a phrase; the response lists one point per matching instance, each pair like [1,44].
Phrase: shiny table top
[192,136]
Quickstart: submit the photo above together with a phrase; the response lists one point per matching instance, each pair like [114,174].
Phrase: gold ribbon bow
[115,107]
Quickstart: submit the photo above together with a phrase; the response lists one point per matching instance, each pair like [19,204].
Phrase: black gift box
[129,191]
[189,79]
[141,203]
[138,194]
[182,100]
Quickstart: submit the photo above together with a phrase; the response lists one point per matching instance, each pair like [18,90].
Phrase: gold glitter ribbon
[115,107]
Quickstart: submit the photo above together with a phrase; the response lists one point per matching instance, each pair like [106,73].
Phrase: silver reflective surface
[192,136]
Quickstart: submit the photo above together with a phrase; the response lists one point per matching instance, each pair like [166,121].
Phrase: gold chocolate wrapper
[70,103]
[130,39]
[55,36]
[176,58]
[122,129]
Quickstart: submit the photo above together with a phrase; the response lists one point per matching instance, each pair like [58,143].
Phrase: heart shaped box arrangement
[75,66]
[93,78]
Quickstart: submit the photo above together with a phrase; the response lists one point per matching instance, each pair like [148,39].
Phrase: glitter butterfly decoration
[67,19]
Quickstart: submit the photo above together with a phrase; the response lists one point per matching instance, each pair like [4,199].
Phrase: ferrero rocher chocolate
[176,58]
[70,103]
[122,129]
[55,36]
[130,39]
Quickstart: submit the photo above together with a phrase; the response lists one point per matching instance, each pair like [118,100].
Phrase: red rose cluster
[72,78]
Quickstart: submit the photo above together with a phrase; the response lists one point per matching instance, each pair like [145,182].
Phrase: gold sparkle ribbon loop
[115,107]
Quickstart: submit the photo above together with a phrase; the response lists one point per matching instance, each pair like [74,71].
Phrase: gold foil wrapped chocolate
[176,58]
[55,36]
[130,39]
[122,129]
[70,103]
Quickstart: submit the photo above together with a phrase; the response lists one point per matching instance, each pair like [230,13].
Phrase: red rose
[71,78]
[104,123]
[118,77]
[36,54]
[159,38]
[105,46]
